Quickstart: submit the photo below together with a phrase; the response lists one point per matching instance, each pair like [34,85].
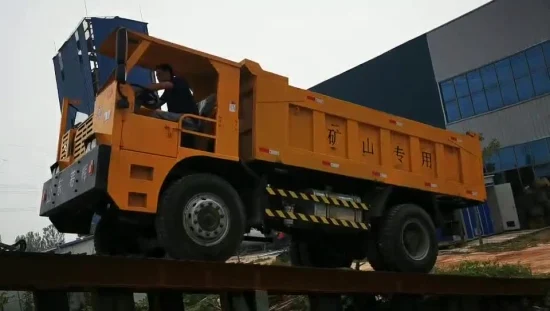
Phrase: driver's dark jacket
[179,98]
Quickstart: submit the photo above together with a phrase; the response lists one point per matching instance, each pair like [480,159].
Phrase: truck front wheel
[200,217]
[408,241]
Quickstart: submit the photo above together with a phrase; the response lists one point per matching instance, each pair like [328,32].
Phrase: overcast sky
[306,40]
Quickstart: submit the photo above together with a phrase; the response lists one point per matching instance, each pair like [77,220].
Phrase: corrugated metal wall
[73,63]
[400,81]
[512,125]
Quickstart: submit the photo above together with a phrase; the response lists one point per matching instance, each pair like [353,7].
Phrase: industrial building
[486,71]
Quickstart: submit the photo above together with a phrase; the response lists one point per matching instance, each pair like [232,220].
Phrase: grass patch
[487,269]
[519,243]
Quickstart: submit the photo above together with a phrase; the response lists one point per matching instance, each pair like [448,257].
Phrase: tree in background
[51,237]
[492,147]
[37,242]
[489,150]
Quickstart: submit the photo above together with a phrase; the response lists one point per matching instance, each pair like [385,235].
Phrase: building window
[492,164]
[507,158]
[506,82]
[530,154]
[523,155]
[539,150]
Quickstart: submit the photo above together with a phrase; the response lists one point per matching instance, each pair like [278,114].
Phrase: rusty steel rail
[47,274]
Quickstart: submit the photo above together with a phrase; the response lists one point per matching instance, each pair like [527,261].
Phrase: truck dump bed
[296,127]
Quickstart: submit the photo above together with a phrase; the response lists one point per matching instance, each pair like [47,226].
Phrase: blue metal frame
[80,71]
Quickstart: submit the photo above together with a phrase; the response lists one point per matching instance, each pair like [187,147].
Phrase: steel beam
[28,271]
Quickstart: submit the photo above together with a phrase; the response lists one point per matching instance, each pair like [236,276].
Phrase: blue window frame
[494,99]
[453,114]
[523,155]
[541,82]
[504,71]
[530,154]
[489,76]
[506,82]
[535,59]
[474,81]
[509,93]
[448,91]
[461,86]
[546,51]
[492,164]
[466,107]
[519,65]
[540,152]
[480,102]
[507,158]
[525,88]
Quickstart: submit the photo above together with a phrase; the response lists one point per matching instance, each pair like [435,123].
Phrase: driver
[177,94]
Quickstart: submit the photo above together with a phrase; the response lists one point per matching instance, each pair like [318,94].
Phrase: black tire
[392,248]
[317,253]
[298,254]
[374,256]
[179,238]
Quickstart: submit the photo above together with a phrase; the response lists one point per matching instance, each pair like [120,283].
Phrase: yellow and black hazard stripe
[316,198]
[317,219]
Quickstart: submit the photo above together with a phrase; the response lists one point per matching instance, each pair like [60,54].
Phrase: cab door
[149,135]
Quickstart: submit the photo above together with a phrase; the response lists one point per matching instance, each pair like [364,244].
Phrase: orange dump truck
[345,181]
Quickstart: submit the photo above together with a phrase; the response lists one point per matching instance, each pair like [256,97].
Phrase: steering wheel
[146,97]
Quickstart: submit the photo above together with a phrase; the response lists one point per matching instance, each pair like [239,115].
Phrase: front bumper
[79,186]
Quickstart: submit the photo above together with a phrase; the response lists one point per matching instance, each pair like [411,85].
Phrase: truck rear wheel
[200,217]
[408,241]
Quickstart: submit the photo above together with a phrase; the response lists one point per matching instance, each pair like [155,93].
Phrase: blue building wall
[400,81]
[73,63]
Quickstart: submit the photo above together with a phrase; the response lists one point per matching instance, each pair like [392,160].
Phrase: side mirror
[121,55]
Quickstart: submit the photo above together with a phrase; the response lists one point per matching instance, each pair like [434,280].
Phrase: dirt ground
[538,258]
[530,249]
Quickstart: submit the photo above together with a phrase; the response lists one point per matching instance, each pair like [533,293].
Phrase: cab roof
[182,58]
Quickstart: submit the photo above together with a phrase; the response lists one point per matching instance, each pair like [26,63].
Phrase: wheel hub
[209,218]
[205,219]
[415,239]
